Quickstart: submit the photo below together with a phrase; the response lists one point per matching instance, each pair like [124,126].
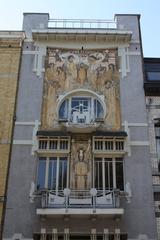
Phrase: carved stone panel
[81,163]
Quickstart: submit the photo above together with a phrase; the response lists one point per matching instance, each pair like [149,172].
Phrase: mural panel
[66,70]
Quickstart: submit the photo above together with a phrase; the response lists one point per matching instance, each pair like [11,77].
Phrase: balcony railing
[80,199]
[82,23]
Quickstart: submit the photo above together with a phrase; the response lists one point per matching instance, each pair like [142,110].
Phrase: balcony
[81,203]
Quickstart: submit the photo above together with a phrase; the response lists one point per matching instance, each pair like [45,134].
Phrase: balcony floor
[81,211]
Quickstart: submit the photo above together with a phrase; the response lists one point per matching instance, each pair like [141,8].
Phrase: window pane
[119,174]
[158,145]
[52,173]
[153,76]
[98,174]
[63,111]
[157,131]
[41,173]
[108,174]
[111,175]
[98,109]
[62,173]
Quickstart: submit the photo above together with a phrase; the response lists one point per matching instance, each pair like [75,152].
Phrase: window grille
[59,143]
[156,180]
[109,144]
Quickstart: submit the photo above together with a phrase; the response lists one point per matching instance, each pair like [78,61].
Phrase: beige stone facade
[10,52]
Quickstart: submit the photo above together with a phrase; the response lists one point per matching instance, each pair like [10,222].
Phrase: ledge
[81,211]
[112,35]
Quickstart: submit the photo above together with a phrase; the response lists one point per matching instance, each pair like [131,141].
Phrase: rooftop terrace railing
[82,23]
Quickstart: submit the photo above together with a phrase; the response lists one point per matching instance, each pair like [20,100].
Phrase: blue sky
[11,15]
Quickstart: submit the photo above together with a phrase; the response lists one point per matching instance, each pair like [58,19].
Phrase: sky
[11,15]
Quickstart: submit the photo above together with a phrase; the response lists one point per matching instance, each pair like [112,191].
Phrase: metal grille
[54,143]
[156,180]
[109,144]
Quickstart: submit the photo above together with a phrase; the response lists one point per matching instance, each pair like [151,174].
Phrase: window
[81,110]
[157,135]
[153,76]
[54,143]
[109,144]
[108,173]
[52,173]
[63,111]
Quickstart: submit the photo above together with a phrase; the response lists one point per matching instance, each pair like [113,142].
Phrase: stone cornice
[98,35]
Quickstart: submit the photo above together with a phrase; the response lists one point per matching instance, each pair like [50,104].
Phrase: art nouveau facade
[80,161]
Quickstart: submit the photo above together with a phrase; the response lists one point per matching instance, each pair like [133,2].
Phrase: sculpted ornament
[81,156]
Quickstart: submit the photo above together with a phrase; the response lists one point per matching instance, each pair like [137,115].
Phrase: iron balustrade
[81,199]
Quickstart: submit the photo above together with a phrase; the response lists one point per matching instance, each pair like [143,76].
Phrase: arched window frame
[94,98]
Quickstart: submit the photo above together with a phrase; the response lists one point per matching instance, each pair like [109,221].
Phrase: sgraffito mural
[66,70]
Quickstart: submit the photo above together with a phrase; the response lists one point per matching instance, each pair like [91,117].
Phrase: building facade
[80,162]
[152,92]
[10,52]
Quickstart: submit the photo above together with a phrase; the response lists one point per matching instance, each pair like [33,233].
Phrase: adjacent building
[10,55]
[152,92]
[80,160]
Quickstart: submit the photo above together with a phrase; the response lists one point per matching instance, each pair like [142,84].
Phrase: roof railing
[82,23]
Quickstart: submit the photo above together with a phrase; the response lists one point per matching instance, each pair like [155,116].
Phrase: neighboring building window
[153,76]
[108,173]
[52,173]
[81,110]
[157,135]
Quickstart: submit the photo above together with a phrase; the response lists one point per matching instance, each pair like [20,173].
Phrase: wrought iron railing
[78,199]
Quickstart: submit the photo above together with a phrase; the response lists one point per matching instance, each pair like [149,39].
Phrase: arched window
[81,109]
[63,110]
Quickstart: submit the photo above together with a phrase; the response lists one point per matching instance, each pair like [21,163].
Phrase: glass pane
[63,111]
[119,175]
[62,173]
[108,174]
[157,131]
[41,173]
[98,109]
[153,76]
[111,175]
[98,174]
[158,146]
[52,173]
